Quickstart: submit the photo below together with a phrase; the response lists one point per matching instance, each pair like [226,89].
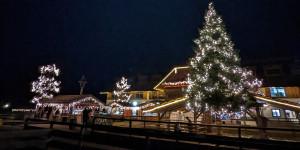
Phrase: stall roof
[69,98]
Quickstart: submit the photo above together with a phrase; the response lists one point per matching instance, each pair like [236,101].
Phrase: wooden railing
[178,131]
[185,127]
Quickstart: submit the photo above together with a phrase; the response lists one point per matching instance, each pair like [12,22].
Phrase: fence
[210,129]
[179,131]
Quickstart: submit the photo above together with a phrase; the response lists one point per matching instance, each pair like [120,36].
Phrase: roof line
[175,68]
[275,101]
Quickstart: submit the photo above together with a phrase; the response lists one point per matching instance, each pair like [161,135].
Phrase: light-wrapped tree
[120,93]
[217,83]
[46,85]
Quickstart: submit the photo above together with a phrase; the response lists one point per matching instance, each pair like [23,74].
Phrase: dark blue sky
[103,39]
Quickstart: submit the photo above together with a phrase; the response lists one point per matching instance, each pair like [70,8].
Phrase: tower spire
[82,83]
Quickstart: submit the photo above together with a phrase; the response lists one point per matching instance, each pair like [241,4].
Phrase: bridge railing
[180,131]
[209,129]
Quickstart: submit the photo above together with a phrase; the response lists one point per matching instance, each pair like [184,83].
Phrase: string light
[216,68]
[130,107]
[46,84]
[122,86]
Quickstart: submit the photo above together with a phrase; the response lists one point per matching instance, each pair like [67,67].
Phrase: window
[273,70]
[134,112]
[290,114]
[276,112]
[277,92]
[139,95]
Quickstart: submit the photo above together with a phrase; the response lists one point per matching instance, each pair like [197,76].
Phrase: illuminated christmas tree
[120,93]
[217,83]
[46,85]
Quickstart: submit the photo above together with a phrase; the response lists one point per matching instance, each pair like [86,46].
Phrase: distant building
[281,81]
[142,95]
[280,86]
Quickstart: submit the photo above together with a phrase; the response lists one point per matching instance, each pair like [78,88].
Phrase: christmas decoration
[216,82]
[120,93]
[46,84]
[175,84]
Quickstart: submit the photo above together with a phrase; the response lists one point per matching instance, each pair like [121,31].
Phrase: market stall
[68,107]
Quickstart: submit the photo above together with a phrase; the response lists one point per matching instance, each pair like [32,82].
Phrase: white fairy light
[216,67]
[122,86]
[46,84]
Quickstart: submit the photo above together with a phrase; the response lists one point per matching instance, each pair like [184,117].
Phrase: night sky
[105,39]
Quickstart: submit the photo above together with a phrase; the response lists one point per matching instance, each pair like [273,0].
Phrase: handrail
[175,134]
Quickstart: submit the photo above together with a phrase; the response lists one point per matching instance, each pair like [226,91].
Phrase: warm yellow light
[164,105]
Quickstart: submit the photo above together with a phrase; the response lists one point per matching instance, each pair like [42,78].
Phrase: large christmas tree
[46,85]
[217,83]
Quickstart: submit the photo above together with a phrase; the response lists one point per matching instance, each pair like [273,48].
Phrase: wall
[267,112]
[292,92]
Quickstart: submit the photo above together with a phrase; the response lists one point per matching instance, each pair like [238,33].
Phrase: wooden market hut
[71,106]
[127,110]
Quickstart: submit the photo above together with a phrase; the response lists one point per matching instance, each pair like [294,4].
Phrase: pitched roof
[69,98]
[280,103]
[175,75]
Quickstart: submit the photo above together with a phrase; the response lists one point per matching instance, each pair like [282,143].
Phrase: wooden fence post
[130,124]
[81,136]
[93,123]
[240,136]
[26,124]
[51,125]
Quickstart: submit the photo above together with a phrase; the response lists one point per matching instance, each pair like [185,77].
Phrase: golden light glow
[164,105]
[277,102]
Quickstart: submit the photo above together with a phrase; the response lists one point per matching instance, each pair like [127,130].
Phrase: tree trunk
[208,118]
[219,122]
[261,122]
[195,117]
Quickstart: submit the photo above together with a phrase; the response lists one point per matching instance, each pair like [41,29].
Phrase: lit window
[277,92]
[276,112]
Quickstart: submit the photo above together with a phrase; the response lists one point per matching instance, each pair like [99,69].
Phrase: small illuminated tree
[120,93]
[46,85]
[217,83]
